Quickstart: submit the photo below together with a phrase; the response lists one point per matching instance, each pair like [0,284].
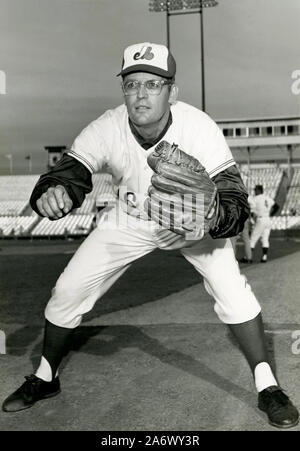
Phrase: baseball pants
[109,251]
[261,230]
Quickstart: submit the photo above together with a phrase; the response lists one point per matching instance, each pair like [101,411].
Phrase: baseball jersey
[109,143]
[261,205]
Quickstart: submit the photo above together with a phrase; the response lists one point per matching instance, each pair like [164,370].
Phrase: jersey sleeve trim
[82,160]
[221,167]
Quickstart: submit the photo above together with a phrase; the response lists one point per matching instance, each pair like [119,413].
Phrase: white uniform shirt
[109,143]
[261,205]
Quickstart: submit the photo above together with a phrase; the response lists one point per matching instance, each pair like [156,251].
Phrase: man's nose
[142,92]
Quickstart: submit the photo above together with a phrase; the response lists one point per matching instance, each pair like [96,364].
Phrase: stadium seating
[17,187]
[70,225]
[268,176]
[292,203]
[87,207]
[12,207]
[102,193]
[103,189]
[15,192]
[17,226]
[293,222]
[285,222]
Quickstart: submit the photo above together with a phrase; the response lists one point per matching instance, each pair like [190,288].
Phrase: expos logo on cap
[147,57]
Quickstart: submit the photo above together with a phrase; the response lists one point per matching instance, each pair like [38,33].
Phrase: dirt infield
[152,355]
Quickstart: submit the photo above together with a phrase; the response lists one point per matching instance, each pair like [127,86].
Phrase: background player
[262,207]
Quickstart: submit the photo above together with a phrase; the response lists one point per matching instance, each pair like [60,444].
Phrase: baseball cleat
[33,390]
[280,410]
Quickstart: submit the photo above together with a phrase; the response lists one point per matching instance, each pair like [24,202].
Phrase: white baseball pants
[108,251]
[261,230]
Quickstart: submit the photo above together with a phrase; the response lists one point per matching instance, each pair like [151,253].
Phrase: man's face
[144,108]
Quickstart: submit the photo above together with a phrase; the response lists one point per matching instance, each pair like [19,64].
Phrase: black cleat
[30,392]
[280,410]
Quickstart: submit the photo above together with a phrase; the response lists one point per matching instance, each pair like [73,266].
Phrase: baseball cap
[148,57]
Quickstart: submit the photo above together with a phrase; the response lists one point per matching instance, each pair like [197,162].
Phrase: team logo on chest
[144,54]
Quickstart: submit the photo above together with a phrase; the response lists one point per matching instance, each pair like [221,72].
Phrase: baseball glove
[182,197]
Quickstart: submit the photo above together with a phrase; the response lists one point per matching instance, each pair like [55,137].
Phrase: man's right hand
[54,202]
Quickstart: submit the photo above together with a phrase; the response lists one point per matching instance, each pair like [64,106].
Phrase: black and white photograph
[149,218]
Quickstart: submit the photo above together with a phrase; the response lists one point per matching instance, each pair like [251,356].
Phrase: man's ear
[173,94]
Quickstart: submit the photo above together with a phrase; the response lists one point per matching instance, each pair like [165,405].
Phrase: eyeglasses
[153,87]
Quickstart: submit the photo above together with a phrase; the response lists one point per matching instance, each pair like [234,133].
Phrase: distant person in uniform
[262,208]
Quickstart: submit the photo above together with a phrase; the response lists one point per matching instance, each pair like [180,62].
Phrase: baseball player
[151,122]
[262,207]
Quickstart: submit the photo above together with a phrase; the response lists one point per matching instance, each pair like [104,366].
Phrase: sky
[60,59]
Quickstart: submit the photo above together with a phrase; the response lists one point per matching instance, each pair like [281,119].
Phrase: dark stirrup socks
[251,338]
[265,251]
[56,344]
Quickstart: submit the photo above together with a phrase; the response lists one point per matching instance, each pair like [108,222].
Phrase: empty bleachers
[102,193]
[17,187]
[12,207]
[103,189]
[292,203]
[17,226]
[15,192]
[293,222]
[69,225]
[87,207]
[285,222]
[268,176]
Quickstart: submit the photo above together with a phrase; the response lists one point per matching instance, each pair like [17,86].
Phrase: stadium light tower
[180,7]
